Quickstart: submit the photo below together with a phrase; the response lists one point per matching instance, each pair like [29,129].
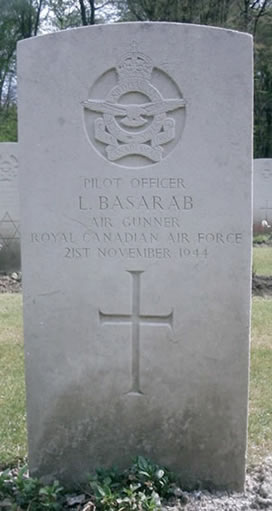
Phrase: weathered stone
[136,217]
[9,208]
[262,195]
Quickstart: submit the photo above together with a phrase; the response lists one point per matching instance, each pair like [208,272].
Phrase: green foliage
[151,476]
[65,14]
[213,12]
[263,88]
[70,13]
[51,496]
[141,487]
[8,124]
[8,39]
[24,490]
[20,491]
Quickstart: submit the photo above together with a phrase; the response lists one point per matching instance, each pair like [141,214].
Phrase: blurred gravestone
[262,195]
[9,208]
[136,205]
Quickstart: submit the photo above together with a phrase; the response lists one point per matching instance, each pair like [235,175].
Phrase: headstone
[262,195]
[136,216]
[9,208]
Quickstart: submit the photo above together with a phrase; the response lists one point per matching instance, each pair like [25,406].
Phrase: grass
[260,404]
[12,393]
[262,260]
[12,386]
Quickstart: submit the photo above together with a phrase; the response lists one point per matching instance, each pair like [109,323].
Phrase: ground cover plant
[140,487]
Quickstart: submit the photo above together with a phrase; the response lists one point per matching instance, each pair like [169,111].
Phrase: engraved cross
[136,319]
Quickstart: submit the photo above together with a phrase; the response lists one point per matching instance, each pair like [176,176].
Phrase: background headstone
[136,217]
[9,208]
[262,195]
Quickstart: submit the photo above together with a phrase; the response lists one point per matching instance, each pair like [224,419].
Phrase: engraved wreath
[131,125]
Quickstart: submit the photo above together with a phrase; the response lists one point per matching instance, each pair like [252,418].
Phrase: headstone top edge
[13,144]
[143,24]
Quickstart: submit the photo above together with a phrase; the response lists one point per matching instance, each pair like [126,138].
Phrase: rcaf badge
[135,125]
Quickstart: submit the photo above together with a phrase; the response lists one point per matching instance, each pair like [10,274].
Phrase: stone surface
[9,208]
[262,195]
[136,206]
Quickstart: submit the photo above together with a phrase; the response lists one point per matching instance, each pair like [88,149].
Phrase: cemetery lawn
[262,260]
[12,385]
[12,389]
[260,404]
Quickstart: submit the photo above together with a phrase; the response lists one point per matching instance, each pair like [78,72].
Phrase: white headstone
[136,195]
[262,195]
[9,208]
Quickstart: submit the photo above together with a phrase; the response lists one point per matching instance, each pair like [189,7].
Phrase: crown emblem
[134,64]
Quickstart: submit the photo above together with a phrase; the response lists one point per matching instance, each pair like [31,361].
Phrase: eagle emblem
[134,120]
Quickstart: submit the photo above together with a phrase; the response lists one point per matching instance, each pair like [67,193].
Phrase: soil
[257,494]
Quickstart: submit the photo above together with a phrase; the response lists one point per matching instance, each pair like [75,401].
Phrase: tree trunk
[92,16]
[83,13]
